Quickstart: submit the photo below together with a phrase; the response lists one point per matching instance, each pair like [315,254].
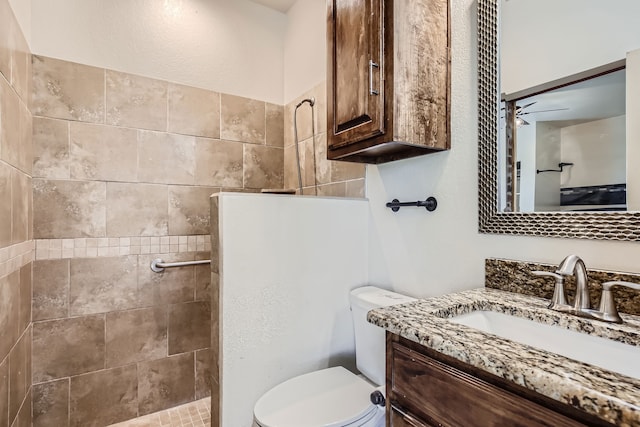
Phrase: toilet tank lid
[370,297]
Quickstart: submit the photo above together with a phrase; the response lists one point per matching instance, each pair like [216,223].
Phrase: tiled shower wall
[123,169]
[332,178]
[16,244]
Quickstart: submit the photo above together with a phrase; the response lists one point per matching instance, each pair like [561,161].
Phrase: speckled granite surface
[515,276]
[610,396]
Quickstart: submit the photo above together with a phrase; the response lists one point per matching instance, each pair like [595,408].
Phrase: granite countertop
[608,395]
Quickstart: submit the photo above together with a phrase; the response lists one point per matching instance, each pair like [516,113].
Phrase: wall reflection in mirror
[569,80]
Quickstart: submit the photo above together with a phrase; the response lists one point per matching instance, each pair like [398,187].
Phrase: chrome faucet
[574,266]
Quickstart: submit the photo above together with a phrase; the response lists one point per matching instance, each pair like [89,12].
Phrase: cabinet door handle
[372,65]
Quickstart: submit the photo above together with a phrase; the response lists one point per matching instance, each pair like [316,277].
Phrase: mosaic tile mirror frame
[581,225]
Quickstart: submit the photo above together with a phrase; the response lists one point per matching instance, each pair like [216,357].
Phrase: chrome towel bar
[158,265]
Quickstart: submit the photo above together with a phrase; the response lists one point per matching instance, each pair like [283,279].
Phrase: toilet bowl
[336,397]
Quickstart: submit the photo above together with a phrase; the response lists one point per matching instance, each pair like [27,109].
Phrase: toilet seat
[332,397]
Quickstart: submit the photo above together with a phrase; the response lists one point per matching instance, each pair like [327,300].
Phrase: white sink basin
[607,354]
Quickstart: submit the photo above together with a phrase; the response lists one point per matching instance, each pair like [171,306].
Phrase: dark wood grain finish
[355,28]
[435,392]
[410,116]
[402,419]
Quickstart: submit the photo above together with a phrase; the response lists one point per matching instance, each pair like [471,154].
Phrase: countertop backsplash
[515,276]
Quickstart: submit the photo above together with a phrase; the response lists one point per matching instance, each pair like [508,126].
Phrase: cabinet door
[451,397]
[354,81]
[402,419]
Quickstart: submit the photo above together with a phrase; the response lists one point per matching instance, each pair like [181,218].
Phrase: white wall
[288,264]
[305,47]
[234,46]
[548,156]
[544,40]
[526,149]
[434,253]
[598,151]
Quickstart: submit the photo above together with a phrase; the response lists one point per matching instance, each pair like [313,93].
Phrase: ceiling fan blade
[543,111]
[525,123]
[520,108]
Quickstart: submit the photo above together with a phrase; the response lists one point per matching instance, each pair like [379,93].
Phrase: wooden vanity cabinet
[388,79]
[427,388]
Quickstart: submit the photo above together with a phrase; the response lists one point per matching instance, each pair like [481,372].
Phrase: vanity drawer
[443,395]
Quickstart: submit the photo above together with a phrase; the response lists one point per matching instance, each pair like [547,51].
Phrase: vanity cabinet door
[401,419]
[356,102]
[432,390]
[388,79]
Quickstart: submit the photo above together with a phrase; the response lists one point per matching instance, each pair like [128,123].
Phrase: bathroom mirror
[537,65]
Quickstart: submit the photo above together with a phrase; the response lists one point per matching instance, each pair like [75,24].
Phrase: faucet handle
[608,309]
[559,299]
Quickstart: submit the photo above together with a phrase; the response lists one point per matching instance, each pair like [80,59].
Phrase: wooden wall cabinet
[388,79]
[426,388]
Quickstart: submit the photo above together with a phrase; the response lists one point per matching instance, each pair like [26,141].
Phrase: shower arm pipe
[311,102]
[158,265]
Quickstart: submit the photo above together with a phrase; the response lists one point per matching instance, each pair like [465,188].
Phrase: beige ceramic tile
[136,335]
[66,347]
[102,398]
[173,285]
[67,90]
[23,419]
[323,165]
[194,111]
[6,206]
[263,166]
[51,148]
[26,292]
[309,163]
[203,278]
[320,94]
[242,119]
[166,158]
[50,289]
[51,404]
[189,326]
[218,163]
[275,125]
[290,168]
[65,209]
[136,101]
[21,192]
[103,153]
[338,189]
[99,285]
[9,312]
[203,373]
[356,188]
[25,153]
[9,125]
[166,383]
[137,210]
[4,388]
[18,382]
[20,64]
[344,171]
[189,210]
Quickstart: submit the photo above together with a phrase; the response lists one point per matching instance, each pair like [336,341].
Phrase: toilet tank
[370,339]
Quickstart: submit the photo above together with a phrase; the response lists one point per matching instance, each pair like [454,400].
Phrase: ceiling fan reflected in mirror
[521,110]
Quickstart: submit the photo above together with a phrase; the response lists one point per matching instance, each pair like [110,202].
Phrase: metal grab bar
[158,265]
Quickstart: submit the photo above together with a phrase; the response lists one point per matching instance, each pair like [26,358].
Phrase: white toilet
[335,397]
